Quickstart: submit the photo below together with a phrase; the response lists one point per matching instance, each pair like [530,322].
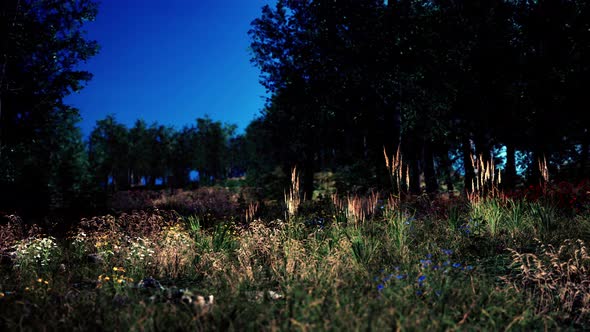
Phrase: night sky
[171,62]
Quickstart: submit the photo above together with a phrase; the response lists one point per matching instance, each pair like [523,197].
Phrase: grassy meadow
[207,260]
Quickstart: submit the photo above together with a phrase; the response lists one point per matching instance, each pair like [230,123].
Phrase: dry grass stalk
[543,169]
[355,210]
[485,183]
[338,203]
[395,168]
[251,212]
[292,199]
[372,202]
[560,278]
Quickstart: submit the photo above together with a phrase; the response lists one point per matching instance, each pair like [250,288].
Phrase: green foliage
[490,213]
[40,147]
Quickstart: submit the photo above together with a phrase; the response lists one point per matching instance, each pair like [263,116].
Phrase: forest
[418,164]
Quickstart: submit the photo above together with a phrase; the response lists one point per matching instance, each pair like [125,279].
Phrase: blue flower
[421,278]
[469,267]
[447,252]
[429,256]
[456,265]
[425,262]
[447,263]
[380,287]
[400,277]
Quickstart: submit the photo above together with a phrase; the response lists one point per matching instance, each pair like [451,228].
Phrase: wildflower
[400,277]
[421,278]
[469,267]
[380,287]
[447,252]
[456,265]
[46,282]
[107,278]
[2,295]
[425,262]
[39,280]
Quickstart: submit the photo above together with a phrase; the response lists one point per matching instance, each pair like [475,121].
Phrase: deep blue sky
[172,61]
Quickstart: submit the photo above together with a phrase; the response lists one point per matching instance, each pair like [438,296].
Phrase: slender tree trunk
[445,167]
[467,164]
[509,178]
[429,169]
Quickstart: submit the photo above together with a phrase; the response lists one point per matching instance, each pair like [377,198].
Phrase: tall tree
[42,43]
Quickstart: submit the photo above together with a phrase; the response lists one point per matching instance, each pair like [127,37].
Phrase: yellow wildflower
[1,295]
[39,280]
[46,282]
[107,278]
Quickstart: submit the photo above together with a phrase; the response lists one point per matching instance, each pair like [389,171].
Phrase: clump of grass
[557,277]
[292,198]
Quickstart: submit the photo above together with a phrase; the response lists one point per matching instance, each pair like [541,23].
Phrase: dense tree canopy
[42,159]
[439,77]
[443,79]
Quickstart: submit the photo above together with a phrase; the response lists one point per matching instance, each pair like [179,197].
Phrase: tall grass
[292,197]
[413,265]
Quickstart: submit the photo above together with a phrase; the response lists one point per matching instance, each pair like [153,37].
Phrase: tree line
[443,79]
[121,157]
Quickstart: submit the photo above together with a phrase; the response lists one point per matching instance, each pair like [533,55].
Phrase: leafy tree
[42,42]
[108,153]
[140,152]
